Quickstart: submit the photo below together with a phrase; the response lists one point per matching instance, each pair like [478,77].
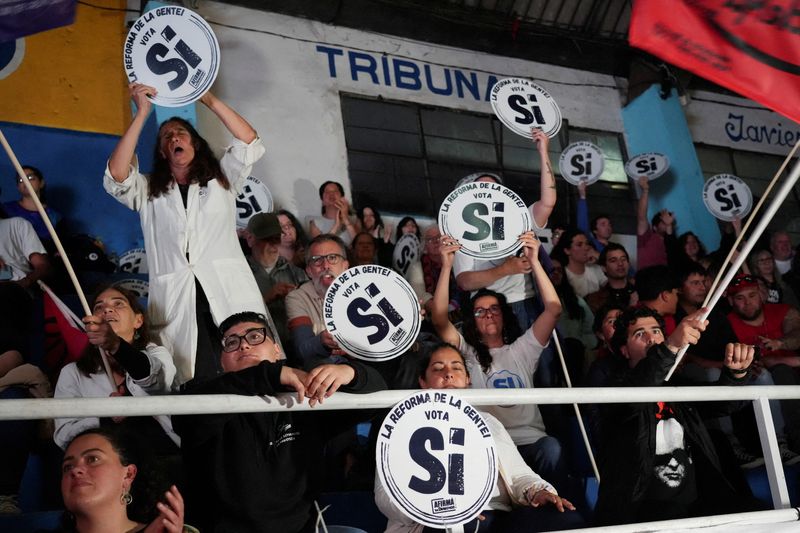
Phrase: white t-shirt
[325,225]
[18,241]
[512,367]
[783,266]
[590,281]
[515,288]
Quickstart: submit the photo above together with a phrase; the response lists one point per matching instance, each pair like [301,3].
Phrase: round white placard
[372,312]
[255,198]
[436,458]
[727,197]
[521,105]
[139,287]
[651,164]
[581,161]
[406,252]
[133,261]
[486,218]
[173,50]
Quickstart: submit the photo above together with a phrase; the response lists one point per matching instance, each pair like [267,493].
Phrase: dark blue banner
[19,18]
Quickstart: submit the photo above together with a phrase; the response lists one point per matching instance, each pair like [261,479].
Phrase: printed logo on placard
[505,379]
[255,198]
[486,218]
[651,165]
[436,458]
[727,197]
[581,161]
[173,50]
[521,105]
[372,312]
[406,252]
[133,261]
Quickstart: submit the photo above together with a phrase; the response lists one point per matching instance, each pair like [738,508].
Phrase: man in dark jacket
[657,459]
[258,472]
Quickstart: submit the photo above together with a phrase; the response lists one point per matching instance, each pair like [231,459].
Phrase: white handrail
[779,516]
[27,409]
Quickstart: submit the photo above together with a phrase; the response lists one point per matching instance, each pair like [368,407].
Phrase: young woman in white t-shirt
[500,356]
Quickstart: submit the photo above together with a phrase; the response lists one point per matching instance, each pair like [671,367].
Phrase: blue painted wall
[653,124]
[73,164]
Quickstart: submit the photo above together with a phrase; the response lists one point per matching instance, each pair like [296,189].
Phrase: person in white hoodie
[521,499]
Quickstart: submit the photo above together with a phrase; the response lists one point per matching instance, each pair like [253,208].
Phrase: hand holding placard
[173,50]
[141,96]
[581,162]
[486,218]
[524,106]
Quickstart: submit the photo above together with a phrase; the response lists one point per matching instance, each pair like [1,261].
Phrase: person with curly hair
[501,356]
[108,485]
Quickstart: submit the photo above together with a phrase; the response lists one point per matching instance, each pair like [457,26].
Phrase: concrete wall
[285,75]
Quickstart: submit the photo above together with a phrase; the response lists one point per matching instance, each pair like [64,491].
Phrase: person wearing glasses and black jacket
[260,472]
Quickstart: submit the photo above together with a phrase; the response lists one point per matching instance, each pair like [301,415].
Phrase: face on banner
[486,218]
[521,105]
[436,458]
[372,312]
[174,50]
[255,198]
[406,251]
[651,164]
[581,161]
[727,197]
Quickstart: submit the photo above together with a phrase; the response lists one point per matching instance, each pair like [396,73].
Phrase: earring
[126,498]
[136,335]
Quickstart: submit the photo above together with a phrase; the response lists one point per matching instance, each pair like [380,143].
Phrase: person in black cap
[275,276]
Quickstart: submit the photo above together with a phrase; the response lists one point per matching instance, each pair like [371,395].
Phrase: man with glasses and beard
[326,259]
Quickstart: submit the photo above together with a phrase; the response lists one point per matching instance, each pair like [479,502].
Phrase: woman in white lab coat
[198,274]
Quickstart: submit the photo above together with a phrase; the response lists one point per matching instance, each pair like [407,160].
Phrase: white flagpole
[748,246]
[750,219]
[57,242]
[577,409]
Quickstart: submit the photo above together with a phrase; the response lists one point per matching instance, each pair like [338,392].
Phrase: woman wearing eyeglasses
[499,356]
[26,208]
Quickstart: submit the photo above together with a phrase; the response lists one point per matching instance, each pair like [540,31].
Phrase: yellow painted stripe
[72,77]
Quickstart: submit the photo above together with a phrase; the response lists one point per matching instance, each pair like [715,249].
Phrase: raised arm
[543,327]
[441,296]
[582,211]
[236,124]
[642,224]
[122,156]
[479,279]
[547,183]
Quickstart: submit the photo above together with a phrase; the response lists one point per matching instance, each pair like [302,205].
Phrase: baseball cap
[264,226]
[740,283]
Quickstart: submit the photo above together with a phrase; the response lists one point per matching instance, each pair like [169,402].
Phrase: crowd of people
[228,315]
